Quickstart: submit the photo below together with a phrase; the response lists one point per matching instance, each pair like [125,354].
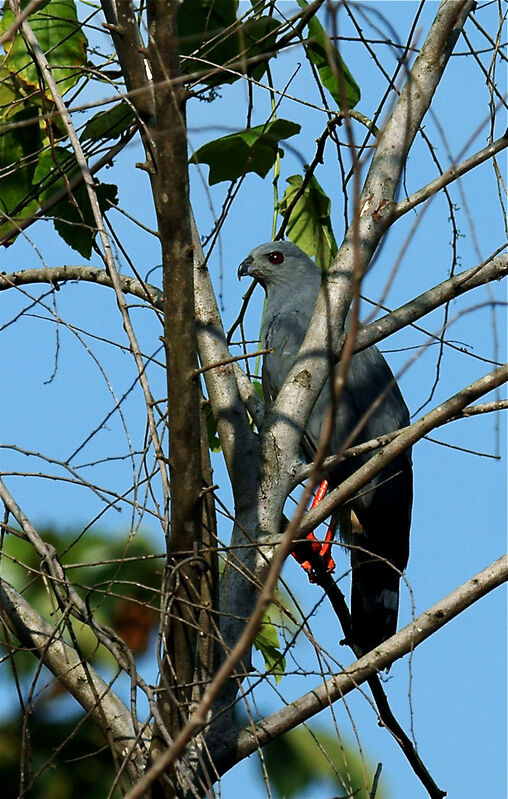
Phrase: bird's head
[279,263]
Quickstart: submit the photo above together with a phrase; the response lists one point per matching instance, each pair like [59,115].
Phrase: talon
[322,549]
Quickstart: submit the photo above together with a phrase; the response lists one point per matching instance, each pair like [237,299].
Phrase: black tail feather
[374,600]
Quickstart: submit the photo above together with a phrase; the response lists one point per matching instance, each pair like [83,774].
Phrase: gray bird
[376,522]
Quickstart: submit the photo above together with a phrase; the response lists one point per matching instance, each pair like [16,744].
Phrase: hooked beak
[244,268]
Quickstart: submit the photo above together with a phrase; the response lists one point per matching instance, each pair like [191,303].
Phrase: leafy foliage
[60,36]
[267,642]
[51,769]
[32,166]
[108,124]
[18,159]
[117,577]
[73,216]
[211,427]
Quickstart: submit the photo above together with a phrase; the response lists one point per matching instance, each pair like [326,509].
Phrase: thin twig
[233,359]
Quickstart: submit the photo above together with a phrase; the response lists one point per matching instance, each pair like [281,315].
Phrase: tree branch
[182,584]
[240,450]
[324,579]
[86,686]
[70,601]
[490,270]
[375,443]
[409,436]
[450,176]
[480,275]
[122,25]
[71,183]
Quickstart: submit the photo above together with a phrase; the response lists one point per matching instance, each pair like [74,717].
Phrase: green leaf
[211,36]
[309,223]
[267,642]
[297,759]
[72,217]
[200,28]
[331,66]
[108,124]
[59,34]
[211,427]
[18,158]
[258,388]
[76,225]
[259,37]
[251,150]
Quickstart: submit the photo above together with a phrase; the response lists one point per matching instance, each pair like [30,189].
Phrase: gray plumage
[291,281]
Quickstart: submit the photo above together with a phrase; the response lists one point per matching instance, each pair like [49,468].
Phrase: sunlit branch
[381,441]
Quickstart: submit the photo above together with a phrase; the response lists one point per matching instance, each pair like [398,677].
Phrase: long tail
[374,600]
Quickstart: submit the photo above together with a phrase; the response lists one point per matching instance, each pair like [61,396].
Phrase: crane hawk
[376,522]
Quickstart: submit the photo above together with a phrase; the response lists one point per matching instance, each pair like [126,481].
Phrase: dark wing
[382,511]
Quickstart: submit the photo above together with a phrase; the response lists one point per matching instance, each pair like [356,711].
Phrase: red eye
[275,257]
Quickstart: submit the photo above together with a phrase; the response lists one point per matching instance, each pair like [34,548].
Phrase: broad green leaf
[72,217]
[297,759]
[267,642]
[211,36]
[59,34]
[309,223]
[76,225]
[108,124]
[251,150]
[330,64]
[18,159]
[11,99]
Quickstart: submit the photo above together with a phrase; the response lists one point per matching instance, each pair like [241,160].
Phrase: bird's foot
[322,549]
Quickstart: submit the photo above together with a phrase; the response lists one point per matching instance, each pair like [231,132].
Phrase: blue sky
[457,679]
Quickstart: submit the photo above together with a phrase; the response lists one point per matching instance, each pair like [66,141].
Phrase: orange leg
[323,549]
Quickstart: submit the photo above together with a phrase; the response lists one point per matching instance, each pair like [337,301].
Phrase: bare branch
[69,599]
[450,176]
[231,359]
[490,270]
[480,275]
